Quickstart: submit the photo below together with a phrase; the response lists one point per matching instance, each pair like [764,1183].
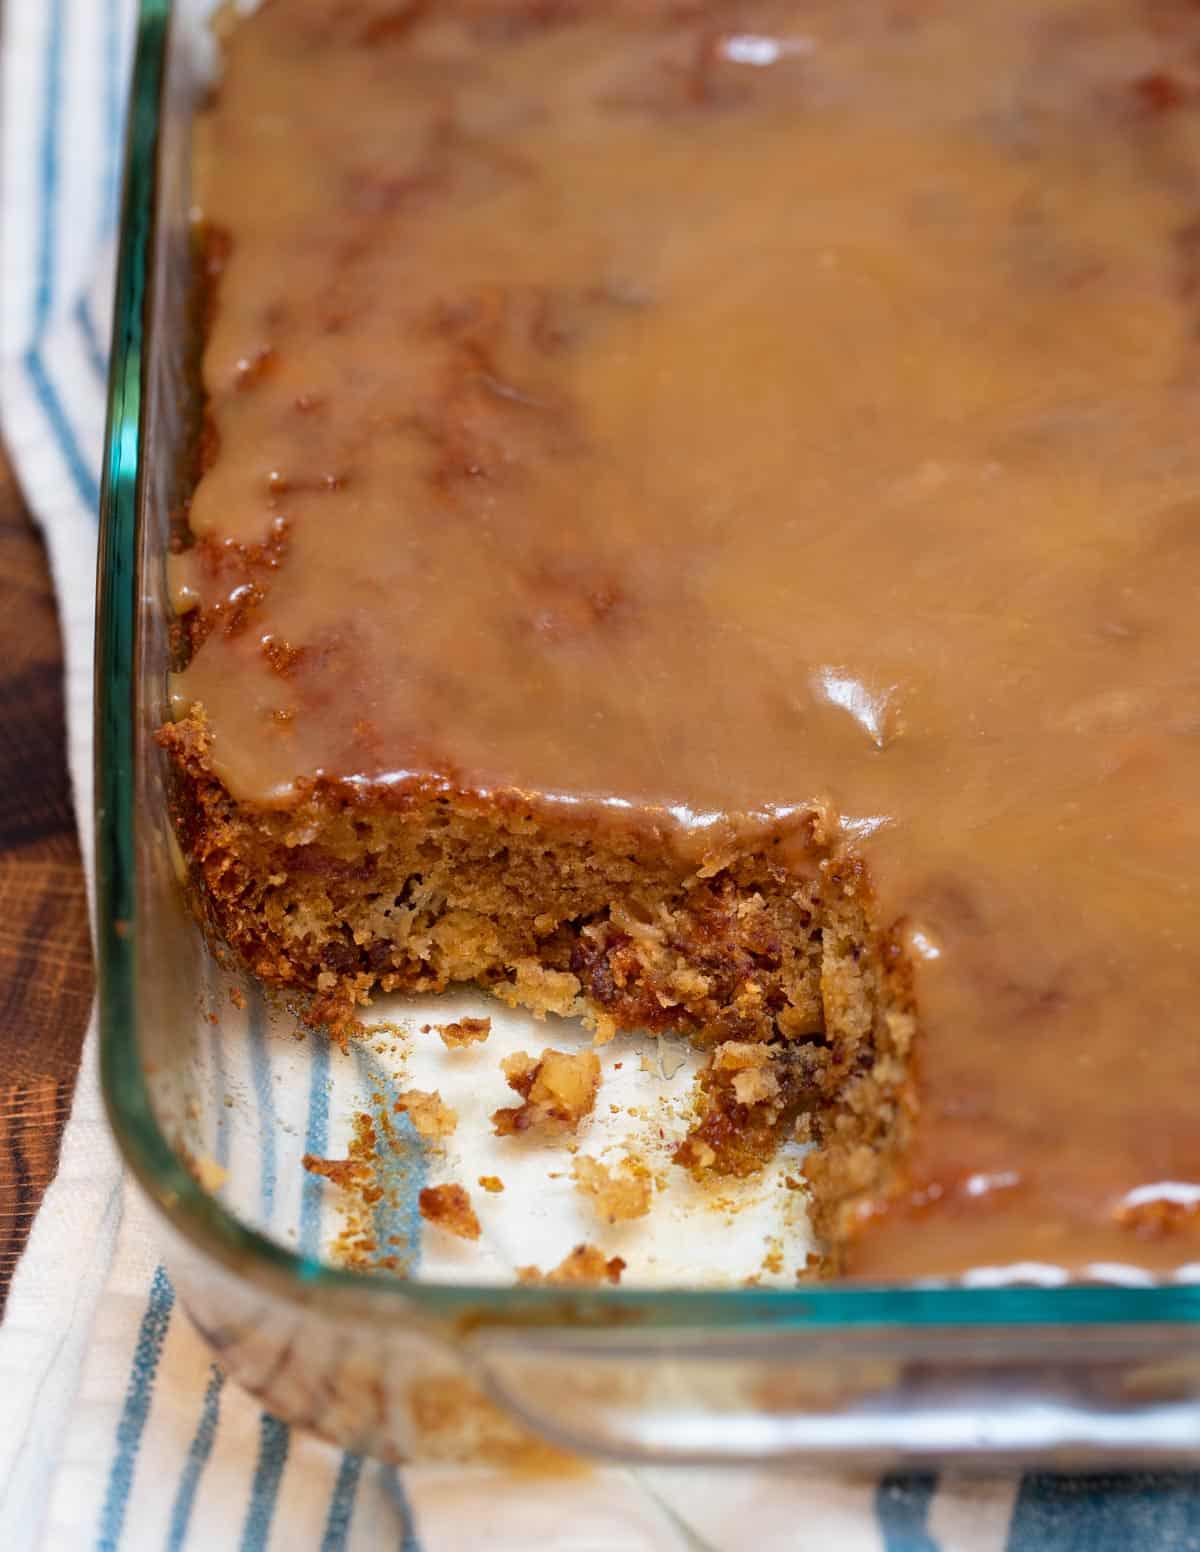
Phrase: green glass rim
[200,1218]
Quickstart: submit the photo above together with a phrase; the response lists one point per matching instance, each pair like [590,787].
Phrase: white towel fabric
[116,1430]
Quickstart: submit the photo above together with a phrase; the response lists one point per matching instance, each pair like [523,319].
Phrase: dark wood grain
[45,948]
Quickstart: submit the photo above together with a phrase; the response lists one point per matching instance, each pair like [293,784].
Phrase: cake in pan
[698,529]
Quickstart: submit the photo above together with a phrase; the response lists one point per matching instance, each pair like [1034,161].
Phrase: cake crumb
[464,1032]
[491,1183]
[617,1196]
[603,1027]
[695,1154]
[238,997]
[558,1090]
[357,1177]
[346,1174]
[773,1259]
[429,1116]
[449,1207]
[585,1264]
[746,1099]
[205,1170]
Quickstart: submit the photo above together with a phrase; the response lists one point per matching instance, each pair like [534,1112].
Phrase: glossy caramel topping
[706,410]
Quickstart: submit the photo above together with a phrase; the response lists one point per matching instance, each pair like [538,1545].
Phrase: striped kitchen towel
[116,1429]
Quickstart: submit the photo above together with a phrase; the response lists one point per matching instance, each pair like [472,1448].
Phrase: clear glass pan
[879,1376]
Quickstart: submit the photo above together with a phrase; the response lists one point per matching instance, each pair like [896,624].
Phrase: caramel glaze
[698,412]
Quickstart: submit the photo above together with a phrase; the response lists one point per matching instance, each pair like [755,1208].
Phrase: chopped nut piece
[755,1087]
[450,1208]
[491,1183]
[468,1031]
[558,1090]
[741,1056]
[429,1116]
[539,989]
[615,1196]
[585,1264]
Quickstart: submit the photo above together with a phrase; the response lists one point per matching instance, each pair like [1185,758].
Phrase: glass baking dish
[205,1082]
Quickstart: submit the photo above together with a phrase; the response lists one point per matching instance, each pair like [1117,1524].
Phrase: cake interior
[756,946]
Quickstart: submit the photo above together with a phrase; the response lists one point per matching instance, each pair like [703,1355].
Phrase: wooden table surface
[45,948]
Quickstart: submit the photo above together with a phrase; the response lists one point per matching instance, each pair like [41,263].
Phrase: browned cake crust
[335,899]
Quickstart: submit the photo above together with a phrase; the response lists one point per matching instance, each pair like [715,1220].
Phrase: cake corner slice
[755,945]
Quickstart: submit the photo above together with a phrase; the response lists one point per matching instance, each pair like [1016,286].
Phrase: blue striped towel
[116,1430]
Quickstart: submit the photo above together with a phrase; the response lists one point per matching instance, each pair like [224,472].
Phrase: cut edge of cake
[761,949]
